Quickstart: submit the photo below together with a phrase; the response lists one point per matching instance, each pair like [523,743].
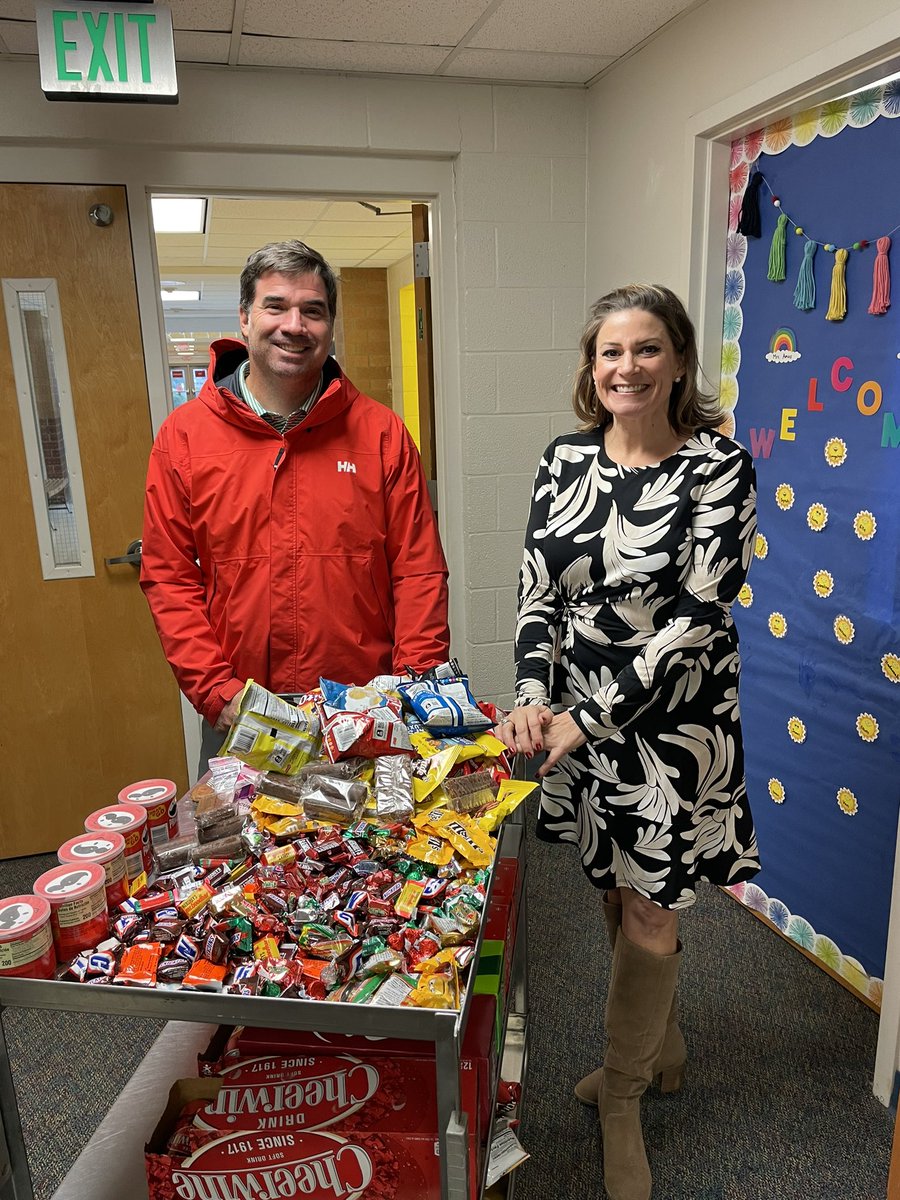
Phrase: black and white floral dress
[625,599]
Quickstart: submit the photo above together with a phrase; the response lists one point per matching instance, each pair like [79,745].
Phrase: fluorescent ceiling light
[176,294]
[178,214]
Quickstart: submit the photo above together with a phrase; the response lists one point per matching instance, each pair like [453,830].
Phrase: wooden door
[88,702]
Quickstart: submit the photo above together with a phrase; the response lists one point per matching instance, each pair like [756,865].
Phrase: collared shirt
[281,424]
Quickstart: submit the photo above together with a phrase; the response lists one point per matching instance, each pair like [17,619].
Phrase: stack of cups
[129,820]
[158,797]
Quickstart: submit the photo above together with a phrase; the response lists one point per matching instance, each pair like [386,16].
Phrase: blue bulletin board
[818,403]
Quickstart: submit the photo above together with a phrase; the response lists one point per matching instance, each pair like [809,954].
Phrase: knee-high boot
[637,1008]
[672,1057]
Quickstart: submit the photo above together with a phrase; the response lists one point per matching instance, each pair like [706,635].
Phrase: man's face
[288,329]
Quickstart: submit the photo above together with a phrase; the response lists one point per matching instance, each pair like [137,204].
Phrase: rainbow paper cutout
[783,346]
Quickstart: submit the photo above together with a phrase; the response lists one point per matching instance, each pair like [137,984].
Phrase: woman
[639,538]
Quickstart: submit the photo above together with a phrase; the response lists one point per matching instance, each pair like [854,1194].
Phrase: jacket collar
[227,354]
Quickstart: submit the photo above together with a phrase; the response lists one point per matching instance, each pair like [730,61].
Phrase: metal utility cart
[444,1029]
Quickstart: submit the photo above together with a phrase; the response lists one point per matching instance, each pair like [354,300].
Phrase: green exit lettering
[97,27]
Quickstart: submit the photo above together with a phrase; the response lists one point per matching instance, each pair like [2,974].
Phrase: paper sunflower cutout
[864,526]
[844,629]
[847,802]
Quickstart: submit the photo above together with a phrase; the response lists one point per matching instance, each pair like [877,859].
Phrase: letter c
[841,364]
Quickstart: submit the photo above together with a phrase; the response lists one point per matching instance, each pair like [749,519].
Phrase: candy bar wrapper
[394,786]
[354,767]
[336,801]
[220,822]
[431,849]
[466,838]
[429,774]
[468,792]
[437,989]
[139,964]
[510,795]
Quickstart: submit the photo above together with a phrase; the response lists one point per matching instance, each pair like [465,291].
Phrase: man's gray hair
[286,258]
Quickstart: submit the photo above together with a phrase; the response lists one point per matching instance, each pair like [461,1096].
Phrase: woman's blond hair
[689,408]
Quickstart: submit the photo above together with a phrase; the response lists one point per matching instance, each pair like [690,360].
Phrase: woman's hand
[561,735]
[523,730]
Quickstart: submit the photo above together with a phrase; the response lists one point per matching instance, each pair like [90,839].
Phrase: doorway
[202,243]
[91,706]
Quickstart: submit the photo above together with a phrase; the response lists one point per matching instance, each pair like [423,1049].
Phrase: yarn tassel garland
[749,222]
[837,305]
[881,279]
[776,251]
[805,291]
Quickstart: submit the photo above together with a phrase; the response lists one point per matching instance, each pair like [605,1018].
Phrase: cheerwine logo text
[334,1172]
[302,1100]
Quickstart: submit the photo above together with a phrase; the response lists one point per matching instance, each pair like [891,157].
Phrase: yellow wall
[408,358]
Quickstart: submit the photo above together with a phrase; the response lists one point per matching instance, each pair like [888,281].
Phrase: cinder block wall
[514,234]
[521,260]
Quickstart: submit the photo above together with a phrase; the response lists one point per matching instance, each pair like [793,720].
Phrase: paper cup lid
[21,916]
[116,818]
[91,847]
[70,881]
[148,791]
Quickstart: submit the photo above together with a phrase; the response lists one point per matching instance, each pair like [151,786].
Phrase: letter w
[761,441]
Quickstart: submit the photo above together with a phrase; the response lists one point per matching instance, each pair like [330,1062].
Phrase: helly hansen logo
[345,465]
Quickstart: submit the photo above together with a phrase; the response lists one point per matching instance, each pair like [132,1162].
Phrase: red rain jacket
[283,558]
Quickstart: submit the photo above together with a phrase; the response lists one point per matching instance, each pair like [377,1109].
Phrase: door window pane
[48,427]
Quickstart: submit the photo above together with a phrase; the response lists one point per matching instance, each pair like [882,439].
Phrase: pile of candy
[342,848]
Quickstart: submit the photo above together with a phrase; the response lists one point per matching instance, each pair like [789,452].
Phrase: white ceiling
[566,42]
[493,41]
[346,233]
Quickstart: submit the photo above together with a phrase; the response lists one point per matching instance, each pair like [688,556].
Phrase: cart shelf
[442,1028]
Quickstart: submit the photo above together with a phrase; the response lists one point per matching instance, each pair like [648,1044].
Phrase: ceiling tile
[211,16]
[524,66]
[575,27]
[191,46]
[19,37]
[417,22]
[340,56]
[385,230]
[275,210]
[17,10]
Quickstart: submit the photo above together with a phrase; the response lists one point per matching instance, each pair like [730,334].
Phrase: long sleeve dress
[625,599]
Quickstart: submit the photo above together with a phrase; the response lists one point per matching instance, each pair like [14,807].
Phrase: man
[288,531]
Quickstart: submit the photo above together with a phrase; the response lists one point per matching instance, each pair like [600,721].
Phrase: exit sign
[106,52]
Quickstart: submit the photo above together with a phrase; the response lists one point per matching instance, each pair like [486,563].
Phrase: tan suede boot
[638,1004]
[672,1057]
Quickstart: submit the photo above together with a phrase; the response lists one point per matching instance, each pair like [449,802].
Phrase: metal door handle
[132,555]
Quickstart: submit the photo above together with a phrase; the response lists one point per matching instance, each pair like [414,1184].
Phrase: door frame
[868,56]
[144,171]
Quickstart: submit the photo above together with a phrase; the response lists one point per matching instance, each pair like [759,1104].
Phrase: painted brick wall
[365,330]
[521,261]
[514,235]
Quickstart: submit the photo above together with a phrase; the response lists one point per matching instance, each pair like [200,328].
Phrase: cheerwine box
[269,1165]
[324,1091]
[405,1097]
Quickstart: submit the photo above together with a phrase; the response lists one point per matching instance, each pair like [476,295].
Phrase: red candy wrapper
[139,964]
[367,735]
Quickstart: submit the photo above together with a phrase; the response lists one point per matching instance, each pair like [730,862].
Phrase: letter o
[869,410]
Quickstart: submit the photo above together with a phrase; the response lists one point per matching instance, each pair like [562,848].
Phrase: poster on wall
[811,369]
